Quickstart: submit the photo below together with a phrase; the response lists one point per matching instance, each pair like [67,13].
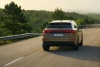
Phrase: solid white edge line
[13,61]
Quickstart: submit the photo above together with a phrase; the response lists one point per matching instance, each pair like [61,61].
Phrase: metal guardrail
[19,36]
[90,26]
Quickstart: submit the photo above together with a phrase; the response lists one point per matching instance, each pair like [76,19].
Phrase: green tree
[43,25]
[91,21]
[80,21]
[14,20]
[58,14]
[70,18]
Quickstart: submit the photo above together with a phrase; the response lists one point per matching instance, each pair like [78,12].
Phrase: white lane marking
[13,61]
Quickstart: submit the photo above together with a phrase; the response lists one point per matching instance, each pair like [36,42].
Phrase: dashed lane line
[13,61]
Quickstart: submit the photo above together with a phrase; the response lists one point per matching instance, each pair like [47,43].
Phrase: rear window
[59,25]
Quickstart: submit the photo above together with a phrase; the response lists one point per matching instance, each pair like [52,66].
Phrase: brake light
[70,31]
[46,31]
[58,31]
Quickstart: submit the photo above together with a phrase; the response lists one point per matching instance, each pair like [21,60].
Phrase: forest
[35,20]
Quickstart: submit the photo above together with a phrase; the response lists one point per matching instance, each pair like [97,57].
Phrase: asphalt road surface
[29,53]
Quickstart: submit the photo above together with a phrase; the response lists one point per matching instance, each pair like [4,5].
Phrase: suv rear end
[62,33]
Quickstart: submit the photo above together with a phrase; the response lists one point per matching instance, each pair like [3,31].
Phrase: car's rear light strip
[59,31]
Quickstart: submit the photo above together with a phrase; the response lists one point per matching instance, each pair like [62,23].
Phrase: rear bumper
[54,43]
[64,39]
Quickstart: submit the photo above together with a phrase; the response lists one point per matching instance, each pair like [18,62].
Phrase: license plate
[58,34]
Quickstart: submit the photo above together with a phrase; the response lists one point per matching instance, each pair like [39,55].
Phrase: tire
[76,47]
[81,43]
[45,47]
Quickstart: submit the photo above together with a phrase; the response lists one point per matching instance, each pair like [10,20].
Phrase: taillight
[46,31]
[70,31]
[58,31]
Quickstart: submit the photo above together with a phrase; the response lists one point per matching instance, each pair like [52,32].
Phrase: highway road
[29,53]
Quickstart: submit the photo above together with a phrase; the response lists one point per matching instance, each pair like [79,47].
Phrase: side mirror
[79,27]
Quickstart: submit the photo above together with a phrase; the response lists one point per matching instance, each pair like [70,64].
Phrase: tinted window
[59,25]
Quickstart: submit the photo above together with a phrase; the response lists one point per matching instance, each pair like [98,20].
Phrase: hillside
[36,18]
[93,15]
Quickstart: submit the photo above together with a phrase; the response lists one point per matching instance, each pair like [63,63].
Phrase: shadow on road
[88,53]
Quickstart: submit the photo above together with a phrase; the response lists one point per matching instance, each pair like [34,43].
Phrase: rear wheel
[76,47]
[45,47]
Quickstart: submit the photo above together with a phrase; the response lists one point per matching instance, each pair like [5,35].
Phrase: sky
[89,6]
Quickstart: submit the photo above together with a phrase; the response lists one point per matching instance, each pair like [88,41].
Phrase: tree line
[14,20]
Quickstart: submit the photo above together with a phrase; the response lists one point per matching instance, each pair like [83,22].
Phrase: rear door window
[59,25]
